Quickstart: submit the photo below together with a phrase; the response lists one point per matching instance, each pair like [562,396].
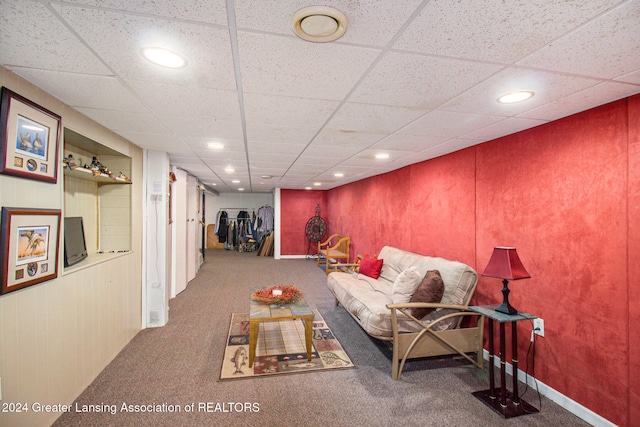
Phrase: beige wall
[57,336]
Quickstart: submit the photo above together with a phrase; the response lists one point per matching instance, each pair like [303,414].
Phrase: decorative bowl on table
[279,294]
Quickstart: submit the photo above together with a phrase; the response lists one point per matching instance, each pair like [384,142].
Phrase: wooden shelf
[87,174]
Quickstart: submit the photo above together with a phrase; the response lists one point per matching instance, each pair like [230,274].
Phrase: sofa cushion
[366,300]
[405,285]
[371,267]
[430,289]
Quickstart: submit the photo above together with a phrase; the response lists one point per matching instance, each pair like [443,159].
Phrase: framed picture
[29,240]
[29,138]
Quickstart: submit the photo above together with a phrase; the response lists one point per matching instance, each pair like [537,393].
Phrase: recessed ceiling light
[236,181]
[266,177]
[317,184]
[229,170]
[338,174]
[240,189]
[213,183]
[163,57]
[382,156]
[513,97]
[307,188]
[216,145]
[319,24]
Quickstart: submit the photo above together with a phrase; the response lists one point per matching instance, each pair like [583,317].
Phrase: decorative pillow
[405,285]
[371,267]
[430,289]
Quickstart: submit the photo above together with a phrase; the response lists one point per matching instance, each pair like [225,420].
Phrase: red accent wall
[633,262]
[297,207]
[567,196]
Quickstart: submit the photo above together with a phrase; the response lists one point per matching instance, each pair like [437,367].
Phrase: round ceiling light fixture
[319,24]
[163,57]
[513,97]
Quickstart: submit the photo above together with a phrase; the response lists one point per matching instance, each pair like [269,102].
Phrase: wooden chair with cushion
[333,251]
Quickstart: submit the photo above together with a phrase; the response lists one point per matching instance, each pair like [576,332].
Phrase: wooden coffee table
[262,312]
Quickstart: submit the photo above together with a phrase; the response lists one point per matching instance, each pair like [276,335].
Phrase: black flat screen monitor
[75,247]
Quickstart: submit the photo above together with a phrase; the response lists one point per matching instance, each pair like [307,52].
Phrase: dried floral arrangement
[290,294]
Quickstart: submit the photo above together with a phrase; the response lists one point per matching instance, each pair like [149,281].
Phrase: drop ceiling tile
[318,162]
[367,158]
[286,66]
[370,22]
[580,101]
[39,40]
[372,118]
[507,126]
[84,90]
[259,149]
[118,39]
[332,139]
[419,81]
[304,173]
[210,11]
[217,130]
[158,142]
[446,148]
[285,110]
[448,124]
[399,141]
[124,121]
[227,159]
[633,77]
[269,165]
[200,144]
[615,53]
[548,86]
[494,30]
[327,155]
[259,133]
[273,156]
[173,100]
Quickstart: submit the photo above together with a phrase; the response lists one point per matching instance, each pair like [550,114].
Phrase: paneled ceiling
[410,79]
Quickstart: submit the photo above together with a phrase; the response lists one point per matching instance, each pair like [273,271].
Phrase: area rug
[281,349]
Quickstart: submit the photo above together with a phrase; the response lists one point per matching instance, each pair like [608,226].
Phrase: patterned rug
[281,349]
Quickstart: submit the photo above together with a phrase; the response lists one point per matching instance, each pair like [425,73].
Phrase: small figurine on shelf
[96,165]
[123,177]
[70,162]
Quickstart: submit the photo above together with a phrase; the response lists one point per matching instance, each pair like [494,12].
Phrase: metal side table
[508,404]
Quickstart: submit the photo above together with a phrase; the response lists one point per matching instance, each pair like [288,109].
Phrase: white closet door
[192,227]
[179,232]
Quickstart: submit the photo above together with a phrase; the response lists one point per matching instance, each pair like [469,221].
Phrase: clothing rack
[230,218]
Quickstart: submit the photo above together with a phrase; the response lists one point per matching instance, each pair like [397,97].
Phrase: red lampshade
[505,264]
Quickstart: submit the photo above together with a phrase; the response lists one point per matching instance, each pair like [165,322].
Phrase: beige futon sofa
[369,301]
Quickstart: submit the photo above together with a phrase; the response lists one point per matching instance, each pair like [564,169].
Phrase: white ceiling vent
[320,24]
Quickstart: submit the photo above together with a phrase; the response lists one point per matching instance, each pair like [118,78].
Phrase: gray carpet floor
[177,366]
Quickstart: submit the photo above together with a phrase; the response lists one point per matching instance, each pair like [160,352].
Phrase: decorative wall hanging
[29,138]
[315,228]
[29,240]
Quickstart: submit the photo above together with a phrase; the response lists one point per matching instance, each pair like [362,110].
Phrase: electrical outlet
[538,326]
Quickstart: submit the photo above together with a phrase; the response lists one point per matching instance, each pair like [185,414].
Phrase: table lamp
[506,265]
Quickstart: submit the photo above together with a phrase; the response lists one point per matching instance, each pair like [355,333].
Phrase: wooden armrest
[459,311]
[326,242]
[343,241]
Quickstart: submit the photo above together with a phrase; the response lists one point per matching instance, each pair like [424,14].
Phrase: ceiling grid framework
[412,79]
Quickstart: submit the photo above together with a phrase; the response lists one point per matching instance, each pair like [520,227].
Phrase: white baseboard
[563,401]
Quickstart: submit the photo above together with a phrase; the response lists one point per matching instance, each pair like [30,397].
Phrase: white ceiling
[410,78]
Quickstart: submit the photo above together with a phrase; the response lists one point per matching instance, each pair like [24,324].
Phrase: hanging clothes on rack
[222,228]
